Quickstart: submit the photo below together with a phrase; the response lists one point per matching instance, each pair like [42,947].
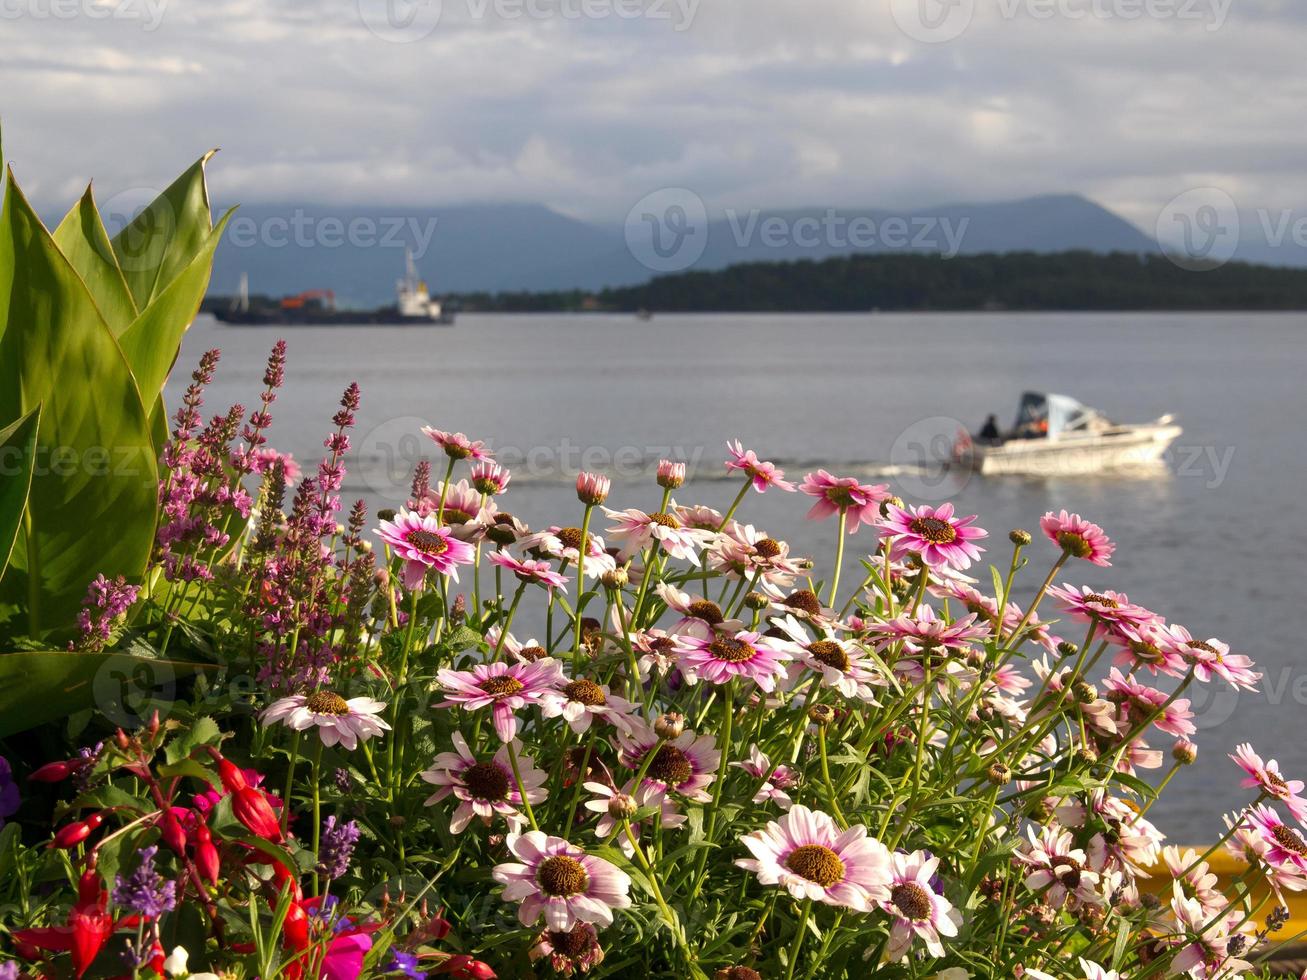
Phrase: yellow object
[1227,868]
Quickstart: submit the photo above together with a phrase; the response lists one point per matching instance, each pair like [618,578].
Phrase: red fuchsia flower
[1078,537]
[592,488]
[205,855]
[1266,776]
[484,788]
[860,502]
[933,533]
[560,882]
[775,779]
[1210,658]
[684,765]
[456,445]
[1141,701]
[722,657]
[917,910]
[805,853]
[423,544]
[505,688]
[577,951]
[530,570]
[1109,607]
[637,530]
[88,928]
[489,477]
[564,544]
[760,473]
[1058,869]
[339,722]
[250,805]
[582,701]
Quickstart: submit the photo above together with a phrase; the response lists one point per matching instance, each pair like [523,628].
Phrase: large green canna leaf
[85,243]
[17,456]
[92,503]
[160,242]
[45,685]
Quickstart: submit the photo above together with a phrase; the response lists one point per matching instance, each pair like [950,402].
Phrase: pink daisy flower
[489,477]
[806,854]
[1145,645]
[722,657]
[592,488]
[564,544]
[742,551]
[1058,869]
[1282,847]
[700,618]
[1141,701]
[637,530]
[484,788]
[530,570]
[926,631]
[934,534]
[503,687]
[1266,776]
[1110,607]
[581,701]
[464,511]
[761,473]
[339,722]
[1206,946]
[577,951]
[671,474]
[841,664]
[1210,658]
[560,882]
[775,779]
[917,910]
[456,445]
[1078,537]
[606,796]
[422,544]
[1199,883]
[657,651]
[684,765]
[860,502]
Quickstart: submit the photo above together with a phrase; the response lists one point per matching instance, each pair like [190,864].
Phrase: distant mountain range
[359,251]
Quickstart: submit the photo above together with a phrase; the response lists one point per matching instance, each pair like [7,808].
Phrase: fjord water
[1214,539]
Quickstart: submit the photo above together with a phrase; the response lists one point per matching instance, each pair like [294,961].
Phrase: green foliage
[17,457]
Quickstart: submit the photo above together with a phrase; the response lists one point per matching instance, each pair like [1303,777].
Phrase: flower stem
[580,582]
[793,958]
[521,787]
[839,558]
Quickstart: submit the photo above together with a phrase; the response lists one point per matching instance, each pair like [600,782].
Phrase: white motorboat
[1058,436]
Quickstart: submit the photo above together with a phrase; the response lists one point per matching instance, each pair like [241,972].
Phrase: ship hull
[1123,447]
[328,318]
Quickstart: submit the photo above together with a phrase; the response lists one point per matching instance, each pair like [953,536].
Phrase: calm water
[1213,539]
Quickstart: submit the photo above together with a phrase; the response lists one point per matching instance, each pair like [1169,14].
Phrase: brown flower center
[571,537]
[1146,651]
[326,703]
[767,547]
[532,653]
[708,611]
[829,653]
[1070,876]
[731,650]
[572,944]
[912,900]
[1094,599]
[585,692]
[816,863]
[671,766]
[428,542]
[486,781]
[560,876]
[1074,544]
[501,686]
[934,530]
[455,516]
[1203,646]
[1289,839]
[664,520]
[804,600]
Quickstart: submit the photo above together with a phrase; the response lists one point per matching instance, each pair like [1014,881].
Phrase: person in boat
[989,431]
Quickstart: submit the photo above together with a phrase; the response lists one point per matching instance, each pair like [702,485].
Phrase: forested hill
[1074,280]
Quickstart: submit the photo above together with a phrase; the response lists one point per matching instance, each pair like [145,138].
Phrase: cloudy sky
[588,105]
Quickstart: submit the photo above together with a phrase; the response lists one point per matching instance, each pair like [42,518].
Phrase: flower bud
[669,726]
[671,475]
[171,831]
[821,714]
[737,973]
[998,774]
[756,600]
[1084,692]
[616,579]
[622,807]
[255,813]
[70,835]
[386,514]
[1067,649]
[52,772]
[206,855]
[1019,537]
[1184,752]
[889,502]
[1085,756]
[592,488]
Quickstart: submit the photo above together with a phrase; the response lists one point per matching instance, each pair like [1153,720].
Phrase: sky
[589,105]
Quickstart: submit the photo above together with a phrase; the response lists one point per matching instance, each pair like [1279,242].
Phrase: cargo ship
[413,305]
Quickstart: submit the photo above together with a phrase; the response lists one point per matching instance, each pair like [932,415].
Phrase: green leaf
[93,499]
[41,686]
[203,731]
[160,242]
[17,459]
[85,243]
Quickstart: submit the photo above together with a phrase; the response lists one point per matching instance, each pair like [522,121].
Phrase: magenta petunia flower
[806,854]
[761,473]
[484,787]
[503,687]
[423,544]
[860,501]
[720,657]
[637,530]
[917,910]
[530,570]
[456,445]
[934,534]
[1078,537]
[560,882]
